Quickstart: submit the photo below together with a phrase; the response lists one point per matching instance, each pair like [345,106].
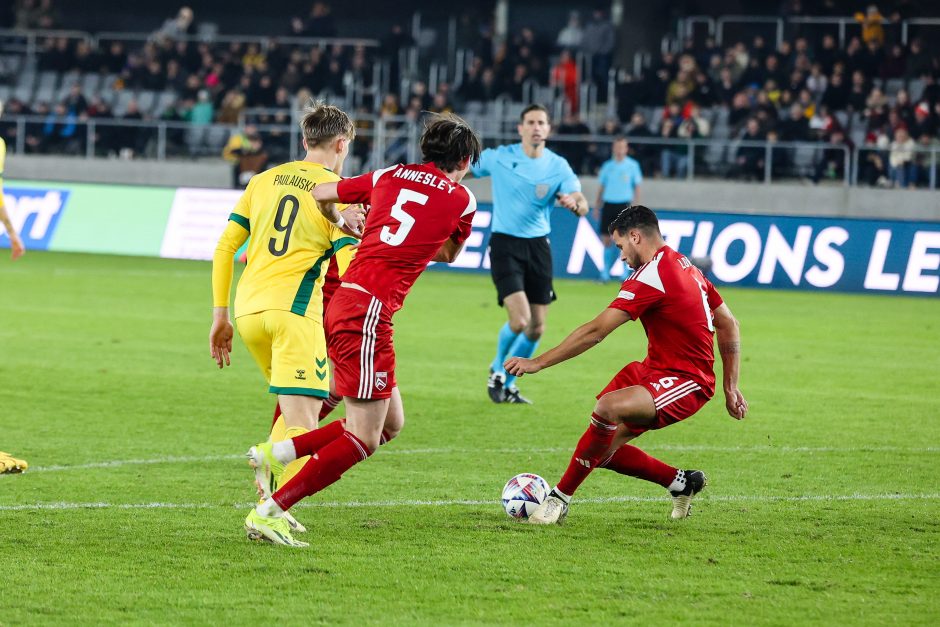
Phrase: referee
[527,179]
[619,179]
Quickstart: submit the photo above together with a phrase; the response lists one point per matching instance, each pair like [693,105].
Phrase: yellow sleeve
[223,261]
[236,232]
[344,257]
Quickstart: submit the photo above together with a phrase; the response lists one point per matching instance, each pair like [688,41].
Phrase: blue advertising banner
[879,256]
[34,214]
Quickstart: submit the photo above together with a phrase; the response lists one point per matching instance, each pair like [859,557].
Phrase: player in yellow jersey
[8,463]
[16,244]
[278,301]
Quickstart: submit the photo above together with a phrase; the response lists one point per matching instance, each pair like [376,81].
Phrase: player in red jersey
[680,311]
[419,213]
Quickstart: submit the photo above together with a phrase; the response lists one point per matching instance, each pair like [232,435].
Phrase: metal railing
[685,27]
[30,40]
[381,140]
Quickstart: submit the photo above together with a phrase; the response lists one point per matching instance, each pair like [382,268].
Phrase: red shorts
[359,342]
[676,395]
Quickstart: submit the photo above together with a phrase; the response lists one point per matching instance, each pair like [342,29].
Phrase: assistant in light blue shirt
[620,180]
[524,188]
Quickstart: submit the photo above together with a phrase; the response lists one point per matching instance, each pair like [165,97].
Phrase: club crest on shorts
[381,380]
[541,191]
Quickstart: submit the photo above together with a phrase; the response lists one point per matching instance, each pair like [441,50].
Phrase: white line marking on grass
[135,462]
[740,498]
[117,463]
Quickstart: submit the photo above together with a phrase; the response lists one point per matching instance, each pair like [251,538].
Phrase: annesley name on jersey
[425,178]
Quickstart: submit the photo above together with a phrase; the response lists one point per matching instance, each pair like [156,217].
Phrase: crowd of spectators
[874,95]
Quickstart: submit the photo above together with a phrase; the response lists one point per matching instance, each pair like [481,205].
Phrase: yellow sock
[278,430]
[294,467]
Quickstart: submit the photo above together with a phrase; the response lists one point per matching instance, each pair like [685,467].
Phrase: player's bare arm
[575,202]
[729,346]
[449,251]
[16,244]
[221,331]
[220,337]
[581,339]
[636,196]
[350,220]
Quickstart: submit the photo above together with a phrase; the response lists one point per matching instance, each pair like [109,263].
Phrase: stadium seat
[146,100]
[916,89]
[90,83]
[893,86]
[123,99]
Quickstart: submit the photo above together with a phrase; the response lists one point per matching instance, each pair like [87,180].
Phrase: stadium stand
[851,98]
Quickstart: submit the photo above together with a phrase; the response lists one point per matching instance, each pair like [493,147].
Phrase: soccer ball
[523,493]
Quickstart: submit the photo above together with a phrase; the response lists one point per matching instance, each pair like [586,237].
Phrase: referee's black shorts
[609,211]
[522,264]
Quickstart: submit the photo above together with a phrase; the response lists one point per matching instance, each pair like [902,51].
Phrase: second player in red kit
[419,213]
[681,311]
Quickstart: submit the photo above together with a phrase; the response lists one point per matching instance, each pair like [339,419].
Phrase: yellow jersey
[290,248]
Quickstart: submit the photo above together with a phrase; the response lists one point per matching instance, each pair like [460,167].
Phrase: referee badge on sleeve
[541,191]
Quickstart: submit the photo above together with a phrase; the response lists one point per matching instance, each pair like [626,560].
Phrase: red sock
[629,460]
[329,405]
[277,413]
[312,441]
[588,454]
[324,470]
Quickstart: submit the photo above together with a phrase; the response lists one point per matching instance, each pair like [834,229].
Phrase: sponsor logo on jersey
[301,374]
[624,294]
[34,214]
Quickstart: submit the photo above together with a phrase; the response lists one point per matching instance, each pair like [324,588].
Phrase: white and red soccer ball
[523,493]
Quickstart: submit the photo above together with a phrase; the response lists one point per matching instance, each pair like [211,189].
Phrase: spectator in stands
[644,153]
[749,160]
[599,42]
[252,159]
[59,132]
[903,169]
[176,27]
[872,30]
[923,123]
[922,165]
[831,164]
[858,94]
[918,62]
[726,87]
[828,54]
[575,152]
[674,158]
[565,75]
[320,23]
[392,45]
[836,96]
[894,64]
[817,82]
[572,35]
[75,102]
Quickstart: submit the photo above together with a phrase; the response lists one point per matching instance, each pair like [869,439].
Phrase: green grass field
[821,508]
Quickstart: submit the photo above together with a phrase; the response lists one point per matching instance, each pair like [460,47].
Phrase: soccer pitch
[821,506]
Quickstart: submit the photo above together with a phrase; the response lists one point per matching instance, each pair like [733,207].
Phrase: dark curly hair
[447,140]
[635,217]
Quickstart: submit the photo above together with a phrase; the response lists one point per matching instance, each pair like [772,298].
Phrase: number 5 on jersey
[405,219]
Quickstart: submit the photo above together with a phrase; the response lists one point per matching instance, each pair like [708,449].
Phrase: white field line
[741,498]
[506,451]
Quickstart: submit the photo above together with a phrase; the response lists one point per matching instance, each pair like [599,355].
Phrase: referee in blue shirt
[619,179]
[527,180]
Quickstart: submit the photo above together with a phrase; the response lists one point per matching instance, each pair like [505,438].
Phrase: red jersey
[415,208]
[674,301]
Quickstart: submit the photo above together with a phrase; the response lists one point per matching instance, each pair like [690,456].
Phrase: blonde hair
[321,123]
